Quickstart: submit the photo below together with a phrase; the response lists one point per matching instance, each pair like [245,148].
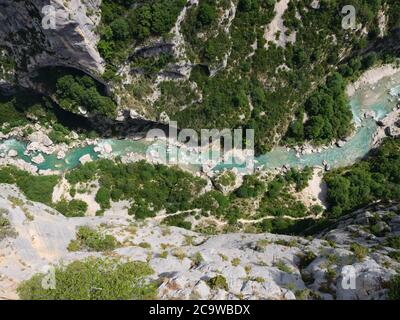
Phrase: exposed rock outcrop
[25,28]
[262,266]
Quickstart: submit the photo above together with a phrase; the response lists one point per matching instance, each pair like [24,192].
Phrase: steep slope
[263,266]
[26,30]
[210,63]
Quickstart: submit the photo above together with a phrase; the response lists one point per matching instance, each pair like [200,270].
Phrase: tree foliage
[77,92]
[373,179]
[35,188]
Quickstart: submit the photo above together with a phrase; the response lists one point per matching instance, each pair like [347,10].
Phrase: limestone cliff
[25,29]
[255,266]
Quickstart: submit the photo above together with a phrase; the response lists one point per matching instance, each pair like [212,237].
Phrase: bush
[218,282]
[251,187]
[92,240]
[73,208]
[235,262]
[93,279]
[360,252]
[6,230]
[178,221]
[120,29]
[103,197]
[394,288]
[281,265]
[35,188]
[394,242]
[197,259]
[207,13]
[83,173]
[306,258]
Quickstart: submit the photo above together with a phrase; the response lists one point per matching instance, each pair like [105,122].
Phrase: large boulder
[40,138]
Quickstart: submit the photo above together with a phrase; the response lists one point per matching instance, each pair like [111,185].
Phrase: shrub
[218,282]
[395,255]
[6,230]
[306,258]
[93,279]
[74,246]
[251,187]
[178,221]
[235,262]
[226,179]
[394,242]
[73,208]
[281,265]
[360,252]
[394,288]
[103,197]
[207,13]
[197,258]
[93,240]
[35,188]
[179,254]
[145,245]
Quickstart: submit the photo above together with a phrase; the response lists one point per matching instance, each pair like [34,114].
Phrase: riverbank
[371,77]
[375,97]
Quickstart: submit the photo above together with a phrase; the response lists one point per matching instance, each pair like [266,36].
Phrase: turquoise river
[369,98]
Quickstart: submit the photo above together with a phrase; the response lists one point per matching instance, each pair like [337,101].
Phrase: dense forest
[288,93]
[374,179]
[243,79]
[80,94]
[294,90]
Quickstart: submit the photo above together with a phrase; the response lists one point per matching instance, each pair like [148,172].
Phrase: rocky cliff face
[351,261]
[26,29]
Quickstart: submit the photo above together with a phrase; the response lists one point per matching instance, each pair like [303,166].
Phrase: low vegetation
[360,252]
[218,282]
[35,188]
[72,208]
[93,279]
[6,230]
[92,240]
[394,288]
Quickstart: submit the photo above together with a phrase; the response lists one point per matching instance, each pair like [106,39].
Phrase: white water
[375,98]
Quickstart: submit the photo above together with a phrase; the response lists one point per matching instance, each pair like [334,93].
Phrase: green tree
[120,29]
[207,13]
[103,197]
